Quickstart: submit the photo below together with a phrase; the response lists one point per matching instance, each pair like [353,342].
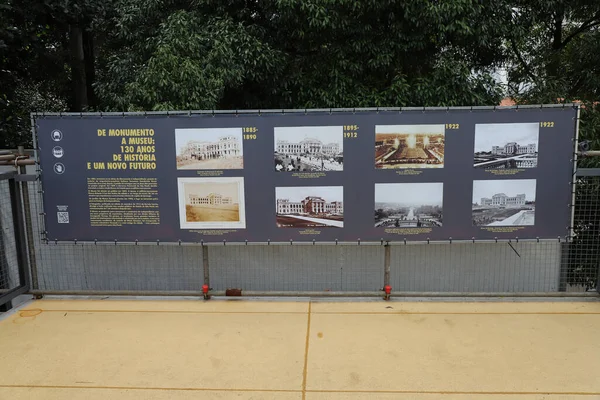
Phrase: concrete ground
[239,349]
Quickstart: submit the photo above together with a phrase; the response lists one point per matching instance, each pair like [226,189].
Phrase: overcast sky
[435,129]
[328,193]
[413,194]
[510,187]
[295,134]
[204,189]
[488,135]
[182,136]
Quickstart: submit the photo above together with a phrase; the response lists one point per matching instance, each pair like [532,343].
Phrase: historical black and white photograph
[210,148]
[409,204]
[310,206]
[506,146]
[409,146]
[509,202]
[211,203]
[309,148]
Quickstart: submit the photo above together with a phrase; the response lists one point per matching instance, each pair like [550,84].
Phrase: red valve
[387,289]
[205,289]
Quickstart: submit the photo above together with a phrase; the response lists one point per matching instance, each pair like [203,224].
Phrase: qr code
[63,217]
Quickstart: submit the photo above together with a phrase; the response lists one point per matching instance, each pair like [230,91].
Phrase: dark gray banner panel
[364,175]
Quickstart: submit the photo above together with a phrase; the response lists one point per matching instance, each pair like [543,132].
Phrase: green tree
[200,54]
[47,60]
[555,57]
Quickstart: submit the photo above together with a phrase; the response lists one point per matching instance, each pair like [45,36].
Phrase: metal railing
[14,276]
[563,266]
[515,267]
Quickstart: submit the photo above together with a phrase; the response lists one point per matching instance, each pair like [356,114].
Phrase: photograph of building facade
[418,205]
[218,148]
[506,146]
[409,146]
[506,202]
[300,207]
[309,148]
[310,205]
[216,203]
[500,199]
[514,148]
[211,199]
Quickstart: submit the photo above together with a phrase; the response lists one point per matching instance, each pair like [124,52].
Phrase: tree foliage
[296,53]
[120,55]
[555,57]
[87,55]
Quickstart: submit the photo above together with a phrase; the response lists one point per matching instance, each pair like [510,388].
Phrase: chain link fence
[472,267]
[581,258]
[13,263]
[9,273]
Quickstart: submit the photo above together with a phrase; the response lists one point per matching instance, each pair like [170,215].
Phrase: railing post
[19,229]
[387,288]
[598,280]
[28,224]
[206,286]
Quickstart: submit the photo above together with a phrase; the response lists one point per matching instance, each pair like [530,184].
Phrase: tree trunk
[90,68]
[554,62]
[80,97]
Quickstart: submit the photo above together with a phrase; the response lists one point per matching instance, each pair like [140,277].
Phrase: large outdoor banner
[319,175]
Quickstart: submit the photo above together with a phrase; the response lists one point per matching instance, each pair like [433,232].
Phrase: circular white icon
[58,152]
[59,168]
[57,135]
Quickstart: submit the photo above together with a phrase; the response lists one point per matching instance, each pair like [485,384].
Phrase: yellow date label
[452,126]
[250,129]
[547,124]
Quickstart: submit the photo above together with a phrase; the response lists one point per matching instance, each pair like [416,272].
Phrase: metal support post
[19,229]
[387,288]
[206,286]
[598,280]
[28,224]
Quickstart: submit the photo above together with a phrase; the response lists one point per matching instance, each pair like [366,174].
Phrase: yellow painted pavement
[242,349]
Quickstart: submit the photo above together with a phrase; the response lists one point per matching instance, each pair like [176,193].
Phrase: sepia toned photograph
[309,206]
[506,146]
[402,205]
[503,202]
[211,203]
[409,146]
[309,148]
[210,148]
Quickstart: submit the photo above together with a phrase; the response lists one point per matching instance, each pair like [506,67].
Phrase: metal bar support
[434,295]
[386,271]
[21,247]
[205,267]
[590,153]
[19,229]
[571,228]
[588,172]
[28,225]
